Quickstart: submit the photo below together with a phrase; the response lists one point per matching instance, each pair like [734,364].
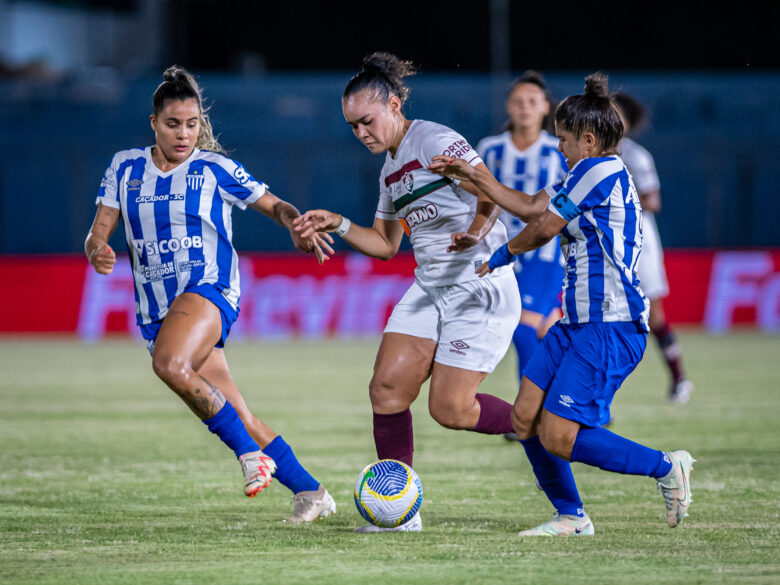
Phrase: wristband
[343,227]
[501,257]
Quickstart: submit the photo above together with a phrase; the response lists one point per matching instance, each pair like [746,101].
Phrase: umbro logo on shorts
[458,346]
[566,401]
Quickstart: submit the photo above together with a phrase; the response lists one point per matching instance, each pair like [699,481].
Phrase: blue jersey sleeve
[108,193]
[562,205]
[587,185]
[236,186]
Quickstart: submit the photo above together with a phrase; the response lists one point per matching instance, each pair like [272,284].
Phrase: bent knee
[451,416]
[172,370]
[387,395]
[558,443]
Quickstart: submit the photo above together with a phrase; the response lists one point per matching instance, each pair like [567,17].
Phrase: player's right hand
[103,259]
[448,166]
[316,220]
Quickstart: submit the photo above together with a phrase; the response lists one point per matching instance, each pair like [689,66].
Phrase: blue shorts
[210,292]
[539,281]
[581,366]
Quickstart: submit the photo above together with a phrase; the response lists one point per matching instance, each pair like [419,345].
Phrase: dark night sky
[455,34]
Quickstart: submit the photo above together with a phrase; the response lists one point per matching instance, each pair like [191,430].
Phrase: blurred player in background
[568,386]
[450,325]
[175,199]
[525,157]
[652,275]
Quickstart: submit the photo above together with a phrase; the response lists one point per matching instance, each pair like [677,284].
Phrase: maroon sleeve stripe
[396,176]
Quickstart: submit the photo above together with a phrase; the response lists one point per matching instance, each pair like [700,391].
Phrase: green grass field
[106,477]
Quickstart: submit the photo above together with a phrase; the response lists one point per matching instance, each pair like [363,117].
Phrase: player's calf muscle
[208,401]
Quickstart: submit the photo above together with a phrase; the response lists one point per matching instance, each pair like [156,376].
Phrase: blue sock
[526,341]
[289,472]
[606,450]
[228,427]
[555,478]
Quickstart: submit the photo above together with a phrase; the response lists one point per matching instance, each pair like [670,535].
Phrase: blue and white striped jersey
[529,170]
[178,224]
[601,243]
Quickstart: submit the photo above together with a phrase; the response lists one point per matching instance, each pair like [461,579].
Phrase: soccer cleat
[675,487]
[258,469]
[310,505]
[562,525]
[681,392]
[413,525]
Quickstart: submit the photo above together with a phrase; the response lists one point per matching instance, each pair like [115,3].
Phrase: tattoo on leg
[208,403]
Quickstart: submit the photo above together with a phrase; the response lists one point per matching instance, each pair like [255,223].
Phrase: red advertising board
[287,295]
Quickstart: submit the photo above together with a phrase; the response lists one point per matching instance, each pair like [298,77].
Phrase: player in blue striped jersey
[525,157]
[175,200]
[568,385]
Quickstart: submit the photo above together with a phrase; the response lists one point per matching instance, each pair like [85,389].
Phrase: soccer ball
[388,493]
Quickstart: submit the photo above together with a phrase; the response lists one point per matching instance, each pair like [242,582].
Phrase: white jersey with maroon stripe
[432,208]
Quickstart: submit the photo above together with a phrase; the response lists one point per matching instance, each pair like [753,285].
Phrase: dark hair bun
[383,73]
[387,64]
[597,85]
[173,73]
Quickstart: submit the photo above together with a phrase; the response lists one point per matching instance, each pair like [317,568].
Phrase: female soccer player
[652,275]
[175,199]
[525,157]
[450,325]
[568,385]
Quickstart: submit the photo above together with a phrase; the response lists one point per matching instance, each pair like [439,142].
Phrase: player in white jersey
[652,275]
[175,200]
[525,157]
[449,326]
[569,384]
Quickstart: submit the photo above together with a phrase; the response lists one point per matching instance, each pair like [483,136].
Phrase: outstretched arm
[382,240]
[534,235]
[523,205]
[285,214]
[96,247]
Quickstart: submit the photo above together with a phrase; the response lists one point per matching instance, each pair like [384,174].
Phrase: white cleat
[258,469]
[413,525]
[310,505]
[562,525]
[681,392]
[675,487]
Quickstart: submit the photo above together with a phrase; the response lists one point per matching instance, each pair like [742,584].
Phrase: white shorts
[651,272]
[472,321]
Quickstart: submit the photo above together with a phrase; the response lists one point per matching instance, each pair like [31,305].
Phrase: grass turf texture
[106,477]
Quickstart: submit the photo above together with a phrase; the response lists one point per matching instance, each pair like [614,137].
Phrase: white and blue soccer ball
[388,493]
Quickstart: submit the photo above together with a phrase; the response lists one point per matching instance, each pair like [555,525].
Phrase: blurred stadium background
[76,79]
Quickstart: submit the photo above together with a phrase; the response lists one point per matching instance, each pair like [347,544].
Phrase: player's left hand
[462,241]
[448,166]
[501,257]
[484,269]
[317,243]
